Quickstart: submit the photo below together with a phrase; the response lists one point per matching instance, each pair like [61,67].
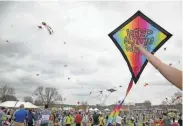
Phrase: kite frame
[139,13]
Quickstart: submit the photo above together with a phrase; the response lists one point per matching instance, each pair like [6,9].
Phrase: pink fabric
[174,124]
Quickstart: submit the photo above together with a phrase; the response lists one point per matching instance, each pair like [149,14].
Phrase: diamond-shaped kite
[138,29]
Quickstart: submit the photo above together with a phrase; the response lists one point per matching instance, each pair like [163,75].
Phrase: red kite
[50,30]
[145,84]
[78,102]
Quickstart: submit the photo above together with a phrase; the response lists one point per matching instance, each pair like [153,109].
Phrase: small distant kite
[50,30]
[65,65]
[90,93]
[111,90]
[145,84]
[120,86]
[176,98]
[7,41]
[40,27]
[164,48]
[68,78]
[64,99]
[37,74]
[78,102]
[64,42]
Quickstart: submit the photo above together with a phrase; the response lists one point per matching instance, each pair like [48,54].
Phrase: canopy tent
[16,104]
[67,108]
[90,109]
[106,110]
[96,109]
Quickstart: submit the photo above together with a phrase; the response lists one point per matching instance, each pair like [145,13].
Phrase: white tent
[96,109]
[67,108]
[16,104]
[90,109]
[106,110]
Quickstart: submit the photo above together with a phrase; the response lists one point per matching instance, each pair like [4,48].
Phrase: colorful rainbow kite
[137,29]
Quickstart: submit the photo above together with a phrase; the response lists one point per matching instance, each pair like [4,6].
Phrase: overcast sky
[93,61]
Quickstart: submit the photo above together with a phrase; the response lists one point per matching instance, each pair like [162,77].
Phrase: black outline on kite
[139,13]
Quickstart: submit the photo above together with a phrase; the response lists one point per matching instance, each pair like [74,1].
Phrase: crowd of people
[47,117]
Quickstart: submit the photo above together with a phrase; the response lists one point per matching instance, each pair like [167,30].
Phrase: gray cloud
[12,49]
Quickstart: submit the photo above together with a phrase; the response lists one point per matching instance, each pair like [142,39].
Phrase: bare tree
[47,95]
[8,98]
[28,99]
[38,102]
[7,93]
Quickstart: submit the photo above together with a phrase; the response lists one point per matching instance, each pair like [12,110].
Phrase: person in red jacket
[78,119]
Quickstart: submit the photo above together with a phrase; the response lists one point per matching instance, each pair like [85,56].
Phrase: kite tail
[116,110]
[50,32]
[50,29]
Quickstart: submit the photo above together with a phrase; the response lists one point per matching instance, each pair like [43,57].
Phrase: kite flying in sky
[40,27]
[145,84]
[138,29]
[111,90]
[178,97]
[50,30]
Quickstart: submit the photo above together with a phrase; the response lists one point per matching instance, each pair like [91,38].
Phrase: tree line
[47,95]
[43,95]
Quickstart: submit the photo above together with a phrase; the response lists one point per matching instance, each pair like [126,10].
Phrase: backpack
[96,118]
[30,117]
[3,118]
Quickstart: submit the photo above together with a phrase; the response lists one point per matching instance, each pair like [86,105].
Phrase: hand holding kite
[170,73]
